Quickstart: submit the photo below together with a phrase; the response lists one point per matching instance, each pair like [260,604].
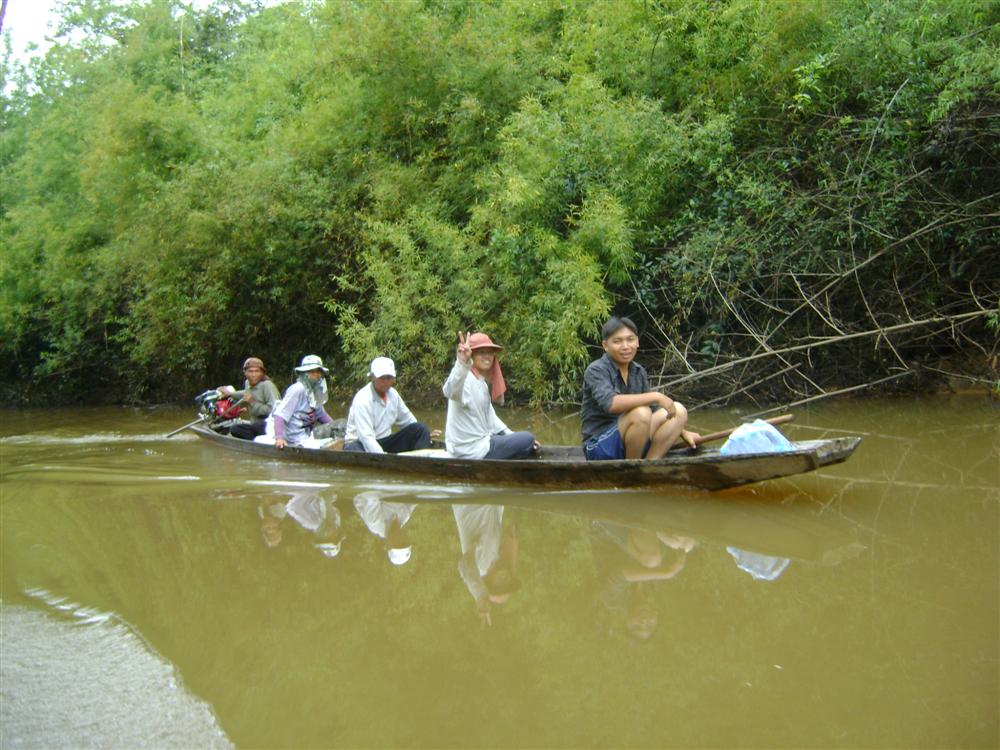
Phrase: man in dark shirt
[621,416]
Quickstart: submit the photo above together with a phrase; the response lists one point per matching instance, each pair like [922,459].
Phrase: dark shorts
[608,446]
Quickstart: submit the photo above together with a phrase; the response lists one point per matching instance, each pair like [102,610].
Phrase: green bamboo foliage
[183,187]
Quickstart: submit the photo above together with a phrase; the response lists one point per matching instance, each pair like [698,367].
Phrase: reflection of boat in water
[705,468]
[792,530]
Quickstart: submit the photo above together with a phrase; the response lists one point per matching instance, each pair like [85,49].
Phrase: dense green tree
[182,187]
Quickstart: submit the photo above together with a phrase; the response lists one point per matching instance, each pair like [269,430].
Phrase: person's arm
[469,572]
[279,431]
[283,412]
[403,414]
[597,384]
[639,573]
[622,403]
[497,426]
[267,397]
[454,386]
[364,426]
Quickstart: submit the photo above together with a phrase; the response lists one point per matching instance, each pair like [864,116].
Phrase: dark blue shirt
[601,383]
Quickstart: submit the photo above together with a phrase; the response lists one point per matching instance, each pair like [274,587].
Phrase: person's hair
[614,323]
[500,581]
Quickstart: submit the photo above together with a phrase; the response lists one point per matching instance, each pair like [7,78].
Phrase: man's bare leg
[634,428]
[668,432]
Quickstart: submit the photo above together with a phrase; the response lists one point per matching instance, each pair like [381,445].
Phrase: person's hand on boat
[463,352]
[436,433]
[691,438]
[279,443]
[535,446]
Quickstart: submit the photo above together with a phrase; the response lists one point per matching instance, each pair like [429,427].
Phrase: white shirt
[371,418]
[471,417]
[378,514]
[480,529]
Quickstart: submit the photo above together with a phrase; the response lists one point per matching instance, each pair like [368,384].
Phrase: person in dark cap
[259,395]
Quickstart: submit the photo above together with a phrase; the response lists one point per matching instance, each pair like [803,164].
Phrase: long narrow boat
[565,466]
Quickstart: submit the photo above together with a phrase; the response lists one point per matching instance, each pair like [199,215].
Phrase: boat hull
[565,466]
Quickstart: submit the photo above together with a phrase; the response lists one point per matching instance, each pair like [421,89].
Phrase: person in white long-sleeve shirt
[387,520]
[376,409]
[473,429]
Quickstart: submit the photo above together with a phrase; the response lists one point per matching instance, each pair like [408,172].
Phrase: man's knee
[649,558]
[639,415]
[422,437]
[680,413]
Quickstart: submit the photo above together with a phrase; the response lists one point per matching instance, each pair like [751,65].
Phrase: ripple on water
[96,438]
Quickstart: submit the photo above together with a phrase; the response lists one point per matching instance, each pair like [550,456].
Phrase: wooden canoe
[565,466]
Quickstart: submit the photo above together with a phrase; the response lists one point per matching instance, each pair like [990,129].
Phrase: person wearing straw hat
[259,395]
[473,429]
[620,415]
[301,408]
[376,409]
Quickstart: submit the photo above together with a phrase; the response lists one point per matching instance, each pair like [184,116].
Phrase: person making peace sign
[473,429]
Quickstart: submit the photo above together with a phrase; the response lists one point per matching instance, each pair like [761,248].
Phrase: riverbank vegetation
[791,198]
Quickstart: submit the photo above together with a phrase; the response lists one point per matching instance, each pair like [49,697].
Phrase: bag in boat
[755,437]
[223,407]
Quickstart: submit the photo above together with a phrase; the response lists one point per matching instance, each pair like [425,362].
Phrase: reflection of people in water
[309,510]
[387,521]
[629,561]
[489,556]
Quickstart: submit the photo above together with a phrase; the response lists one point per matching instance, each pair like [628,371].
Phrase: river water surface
[168,593]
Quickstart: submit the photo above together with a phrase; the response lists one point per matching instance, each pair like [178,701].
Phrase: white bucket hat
[382,366]
[311,362]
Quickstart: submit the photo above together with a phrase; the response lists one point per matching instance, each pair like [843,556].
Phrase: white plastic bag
[755,437]
[761,567]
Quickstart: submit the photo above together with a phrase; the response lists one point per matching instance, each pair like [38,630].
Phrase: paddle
[203,417]
[726,433]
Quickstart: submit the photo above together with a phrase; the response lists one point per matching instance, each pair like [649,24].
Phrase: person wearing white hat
[376,409]
[387,521]
[301,408]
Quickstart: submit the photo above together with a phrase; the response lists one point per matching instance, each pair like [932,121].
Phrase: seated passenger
[473,429]
[259,395]
[300,410]
[488,565]
[374,411]
[621,417]
[387,520]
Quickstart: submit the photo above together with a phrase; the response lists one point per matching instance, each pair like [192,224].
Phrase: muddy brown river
[167,593]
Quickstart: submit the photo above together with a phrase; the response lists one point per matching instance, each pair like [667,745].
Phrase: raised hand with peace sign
[464,351]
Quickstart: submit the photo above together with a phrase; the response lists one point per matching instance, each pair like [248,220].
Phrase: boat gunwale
[810,454]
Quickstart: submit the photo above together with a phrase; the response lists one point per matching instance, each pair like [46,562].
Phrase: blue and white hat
[311,362]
